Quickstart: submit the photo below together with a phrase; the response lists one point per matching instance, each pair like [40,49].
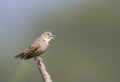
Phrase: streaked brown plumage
[38,47]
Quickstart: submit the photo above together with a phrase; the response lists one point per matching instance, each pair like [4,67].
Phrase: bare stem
[45,75]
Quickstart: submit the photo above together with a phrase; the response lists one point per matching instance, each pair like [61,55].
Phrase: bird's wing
[34,45]
[29,51]
[32,48]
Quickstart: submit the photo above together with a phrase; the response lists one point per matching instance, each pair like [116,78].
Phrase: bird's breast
[43,46]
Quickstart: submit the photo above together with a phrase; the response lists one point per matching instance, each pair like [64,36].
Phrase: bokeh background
[87,44]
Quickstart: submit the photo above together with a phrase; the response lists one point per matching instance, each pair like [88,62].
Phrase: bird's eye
[48,33]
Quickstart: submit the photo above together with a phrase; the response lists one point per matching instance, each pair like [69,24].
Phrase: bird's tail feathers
[25,55]
[20,55]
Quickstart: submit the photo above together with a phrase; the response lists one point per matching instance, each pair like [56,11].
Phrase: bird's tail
[25,55]
[21,55]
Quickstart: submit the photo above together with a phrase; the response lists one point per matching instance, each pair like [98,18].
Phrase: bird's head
[47,36]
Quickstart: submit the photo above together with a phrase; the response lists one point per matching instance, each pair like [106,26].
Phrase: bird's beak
[53,36]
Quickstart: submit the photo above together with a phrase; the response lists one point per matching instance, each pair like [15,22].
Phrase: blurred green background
[87,44]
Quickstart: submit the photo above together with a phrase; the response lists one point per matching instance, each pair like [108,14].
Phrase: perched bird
[38,47]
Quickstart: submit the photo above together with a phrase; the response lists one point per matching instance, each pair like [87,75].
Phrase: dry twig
[45,75]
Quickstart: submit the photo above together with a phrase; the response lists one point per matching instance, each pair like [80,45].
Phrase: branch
[45,75]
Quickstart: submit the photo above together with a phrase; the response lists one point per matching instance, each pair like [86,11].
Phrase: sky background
[87,41]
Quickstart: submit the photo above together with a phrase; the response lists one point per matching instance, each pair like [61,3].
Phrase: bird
[38,47]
